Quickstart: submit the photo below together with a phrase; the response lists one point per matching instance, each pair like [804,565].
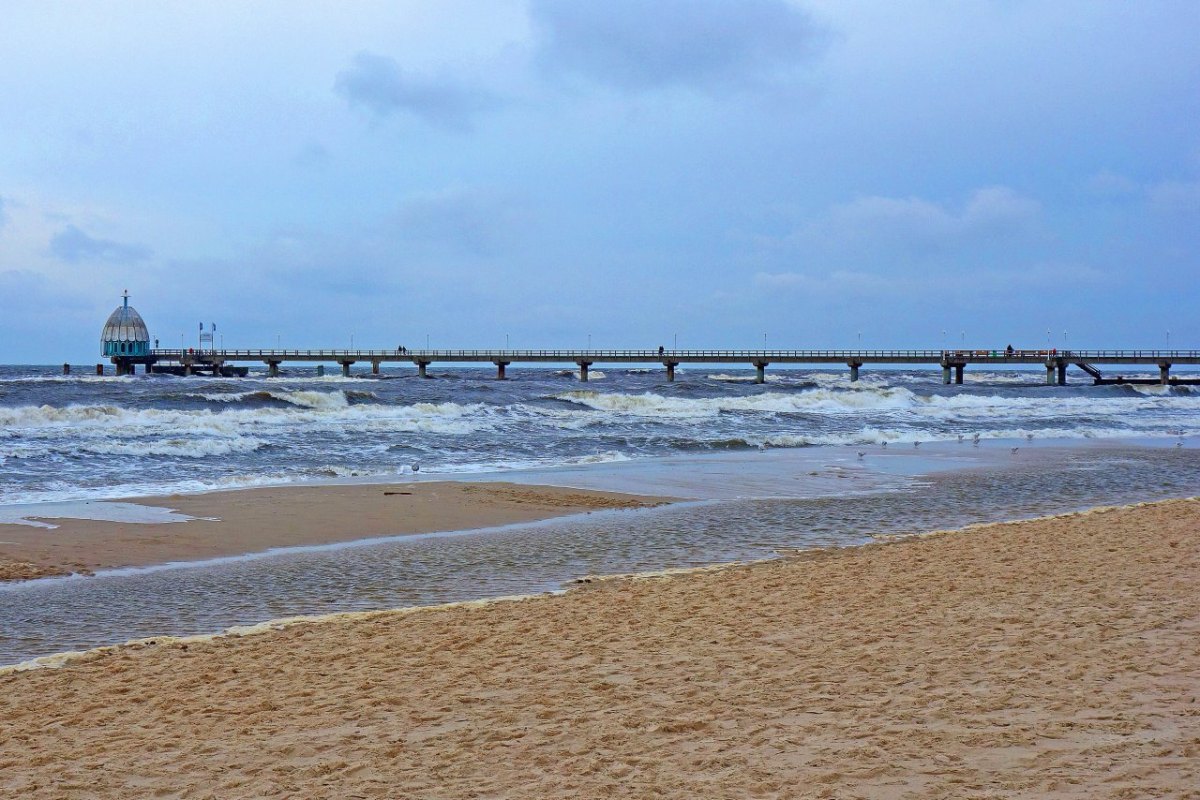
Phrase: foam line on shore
[58,660]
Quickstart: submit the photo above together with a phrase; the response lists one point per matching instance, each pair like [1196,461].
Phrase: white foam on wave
[884,399]
[649,404]
[303,398]
[187,448]
[593,375]
[314,410]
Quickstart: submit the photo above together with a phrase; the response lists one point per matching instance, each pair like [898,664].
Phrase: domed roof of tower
[125,325]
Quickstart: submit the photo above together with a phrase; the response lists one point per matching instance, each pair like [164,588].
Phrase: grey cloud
[636,44]
[377,84]
[73,245]
[477,222]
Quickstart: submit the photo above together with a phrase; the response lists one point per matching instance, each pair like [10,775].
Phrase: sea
[807,459]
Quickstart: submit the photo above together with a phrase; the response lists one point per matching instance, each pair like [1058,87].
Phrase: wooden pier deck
[952,362]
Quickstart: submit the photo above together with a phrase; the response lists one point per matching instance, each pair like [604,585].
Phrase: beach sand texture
[1056,658]
[253,520]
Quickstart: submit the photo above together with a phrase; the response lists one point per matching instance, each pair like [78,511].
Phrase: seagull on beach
[1029,437]
[416,467]
[861,454]
[883,444]
[960,437]
[916,444]
[1014,450]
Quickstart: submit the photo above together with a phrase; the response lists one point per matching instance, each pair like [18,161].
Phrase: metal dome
[125,326]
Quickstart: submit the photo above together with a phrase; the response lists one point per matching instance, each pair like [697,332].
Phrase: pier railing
[916,356]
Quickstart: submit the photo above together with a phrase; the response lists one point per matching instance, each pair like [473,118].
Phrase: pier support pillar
[1164,373]
[854,365]
[670,365]
[958,372]
[1062,374]
[66,369]
[346,368]
[374,367]
[272,369]
[188,369]
[760,371]
[99,369]
[500,365]
[583,370]
[421,366]
[320,370]
[1050,370]
[946,374]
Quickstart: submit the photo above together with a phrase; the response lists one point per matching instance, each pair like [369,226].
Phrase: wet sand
[1053,658]
[253,520]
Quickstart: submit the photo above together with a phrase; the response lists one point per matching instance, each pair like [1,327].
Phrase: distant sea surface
[87,437]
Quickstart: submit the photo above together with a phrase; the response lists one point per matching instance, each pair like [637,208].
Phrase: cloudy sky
[824,173]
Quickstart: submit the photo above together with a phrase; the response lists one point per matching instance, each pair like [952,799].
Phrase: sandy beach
[253,520]
[1054,658]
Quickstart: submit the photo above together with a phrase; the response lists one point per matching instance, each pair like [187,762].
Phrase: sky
[629,173]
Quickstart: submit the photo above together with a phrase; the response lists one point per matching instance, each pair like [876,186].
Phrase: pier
[953,363]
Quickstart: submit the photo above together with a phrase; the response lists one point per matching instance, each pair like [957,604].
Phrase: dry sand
[1047,659]
[252,520]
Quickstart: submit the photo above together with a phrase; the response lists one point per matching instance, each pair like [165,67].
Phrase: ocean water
[796,463]
[65,438]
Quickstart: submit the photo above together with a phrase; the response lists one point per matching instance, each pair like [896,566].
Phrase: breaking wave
[887,399]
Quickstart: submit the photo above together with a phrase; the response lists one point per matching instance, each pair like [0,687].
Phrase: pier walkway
[952,362]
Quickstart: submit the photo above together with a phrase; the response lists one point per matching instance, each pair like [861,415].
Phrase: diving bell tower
[125,339]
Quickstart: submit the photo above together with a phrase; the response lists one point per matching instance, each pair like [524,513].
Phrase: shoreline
[241,522]
[581,583]
[995,659]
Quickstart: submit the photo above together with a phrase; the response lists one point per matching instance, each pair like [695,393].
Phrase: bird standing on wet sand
[861,454]
[1014,450]
[916,444]
[883,444]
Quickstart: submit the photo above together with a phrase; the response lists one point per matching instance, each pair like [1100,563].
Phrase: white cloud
[1176,196]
